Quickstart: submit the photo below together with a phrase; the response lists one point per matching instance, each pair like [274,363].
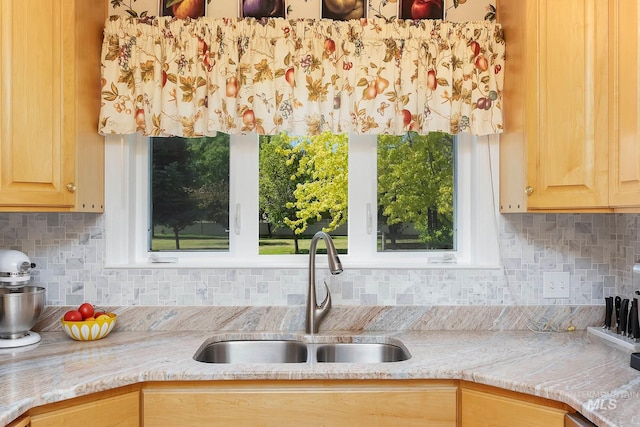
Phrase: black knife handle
[608,301]
[617,303]
[635,328]
[624,316]
[633,307]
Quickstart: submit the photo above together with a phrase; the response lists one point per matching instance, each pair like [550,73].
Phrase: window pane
[190,194]
[416,192]
[302,189]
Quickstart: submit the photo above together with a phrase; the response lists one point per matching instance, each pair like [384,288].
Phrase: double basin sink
[299,351]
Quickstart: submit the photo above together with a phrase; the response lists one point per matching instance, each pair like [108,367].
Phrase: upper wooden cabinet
[624,102]
[563,148]
[51,156]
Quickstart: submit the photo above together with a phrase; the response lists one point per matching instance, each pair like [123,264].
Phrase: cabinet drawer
[122,410]
[482,409]
[308,404]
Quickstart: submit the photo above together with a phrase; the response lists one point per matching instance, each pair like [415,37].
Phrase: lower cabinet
[98,410]
[483,406]
[301,403]
[23,421]
[433,403]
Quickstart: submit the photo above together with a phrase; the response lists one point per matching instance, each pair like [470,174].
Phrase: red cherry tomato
[98,314]
[73,316]
[86,310]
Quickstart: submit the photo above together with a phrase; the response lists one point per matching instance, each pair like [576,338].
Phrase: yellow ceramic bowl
[89,330]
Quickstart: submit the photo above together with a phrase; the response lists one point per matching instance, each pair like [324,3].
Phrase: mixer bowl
[19,310]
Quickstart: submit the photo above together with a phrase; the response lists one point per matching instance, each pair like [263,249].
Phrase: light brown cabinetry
[483,406]
[624,102]
[22,421]
[51,156]
[568,135]
[308,403]
[94,410]
[436,403]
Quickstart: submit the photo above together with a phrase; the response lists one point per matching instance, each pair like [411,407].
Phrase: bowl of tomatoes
[87,323]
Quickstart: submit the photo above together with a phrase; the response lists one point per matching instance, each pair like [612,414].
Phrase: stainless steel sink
[298,351]
[252,351]
[361,353]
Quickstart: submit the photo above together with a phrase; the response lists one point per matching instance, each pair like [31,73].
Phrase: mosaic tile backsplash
[598,250]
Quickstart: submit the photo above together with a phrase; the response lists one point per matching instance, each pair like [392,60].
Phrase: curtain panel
[171,77]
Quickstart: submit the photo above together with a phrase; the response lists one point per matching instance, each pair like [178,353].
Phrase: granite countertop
[572,367]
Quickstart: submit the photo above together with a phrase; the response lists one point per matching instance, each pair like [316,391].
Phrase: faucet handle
[320,311]
[326,302]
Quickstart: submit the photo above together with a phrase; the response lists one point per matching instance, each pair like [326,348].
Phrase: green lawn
[273,246]
[189,242]
[285,246]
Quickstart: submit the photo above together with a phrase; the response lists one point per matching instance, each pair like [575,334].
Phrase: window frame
[128,201]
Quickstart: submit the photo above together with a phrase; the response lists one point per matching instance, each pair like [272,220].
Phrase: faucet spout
[314,312]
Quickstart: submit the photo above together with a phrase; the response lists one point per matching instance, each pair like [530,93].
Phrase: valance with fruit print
[164,76]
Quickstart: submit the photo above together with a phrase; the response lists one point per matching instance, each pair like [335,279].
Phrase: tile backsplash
[598,250]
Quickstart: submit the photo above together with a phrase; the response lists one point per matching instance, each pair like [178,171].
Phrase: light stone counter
[572,367]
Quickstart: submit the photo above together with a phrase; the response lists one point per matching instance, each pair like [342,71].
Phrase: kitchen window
[142,230]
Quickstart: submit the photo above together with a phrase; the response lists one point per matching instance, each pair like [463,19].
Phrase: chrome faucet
[315,312]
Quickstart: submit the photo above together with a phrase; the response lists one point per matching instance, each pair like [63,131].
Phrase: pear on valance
[196,77]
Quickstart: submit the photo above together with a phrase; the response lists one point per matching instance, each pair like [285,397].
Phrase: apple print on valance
[197,77]
[422,9]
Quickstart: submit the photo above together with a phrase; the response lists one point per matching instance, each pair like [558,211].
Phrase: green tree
[415,185]
[323,187]
[210,164]
[174,203]
[277,183]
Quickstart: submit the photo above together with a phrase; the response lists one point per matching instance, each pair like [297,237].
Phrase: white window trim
[127,211]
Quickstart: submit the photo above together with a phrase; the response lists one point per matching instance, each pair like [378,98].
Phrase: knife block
[635,361]
[614,338]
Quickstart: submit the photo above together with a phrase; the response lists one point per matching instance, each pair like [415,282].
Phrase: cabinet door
[122,410]
[22,421]
[36,161]
[483,409]
[305,404]
[51,156]
[567,132]
[624,141]
[555,141]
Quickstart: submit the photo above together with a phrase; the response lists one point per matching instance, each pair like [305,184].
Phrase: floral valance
[164,76]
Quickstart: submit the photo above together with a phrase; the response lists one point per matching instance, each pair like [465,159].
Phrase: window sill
[303,264]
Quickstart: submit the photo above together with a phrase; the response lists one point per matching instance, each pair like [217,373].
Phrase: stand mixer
[20,303]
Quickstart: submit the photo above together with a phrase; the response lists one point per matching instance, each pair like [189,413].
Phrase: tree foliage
[173,182]
[210,163]
[305,179]
[322,181]
[277,183]
[190,182]
[415,184]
